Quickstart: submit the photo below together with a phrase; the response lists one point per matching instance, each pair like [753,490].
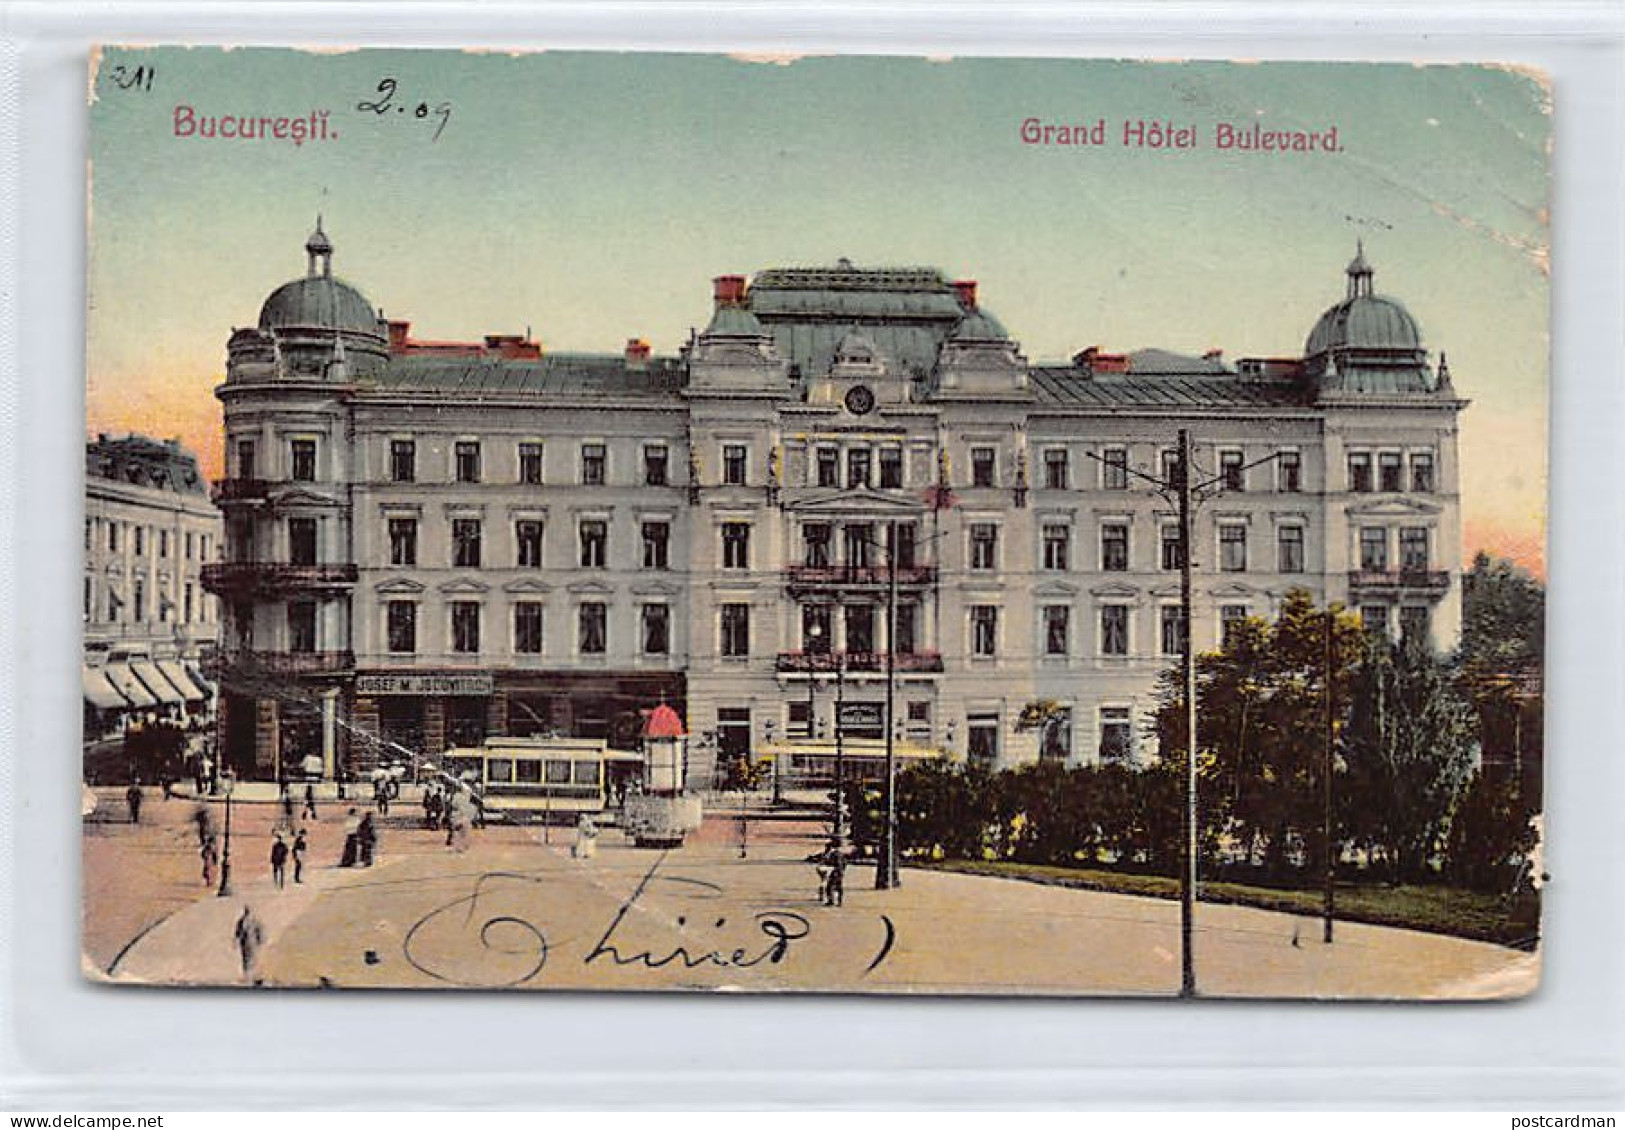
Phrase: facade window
[857,467]
[816,535]
[817,623]
[468,461]
[90,597]
[736,545]
[1057,629]
[733,464]
[1172,558]
[1289,472]
[401,618]
[1231,617]
[1114,547]
[163,543]
[656,465]
[1114,629]
[860,540]
[798,719]
[860,628]
[1169,466]
[465,626]
[1231,472]
[527,628]
[1422,472]
[1413,624]
[904,545]
[656,545]
[245,459]
[1114,469]
[1057,542]
[1173,630]
[186,603]
[403,541]
[594,534]
[593,625]
[891,468]
[465,543]
[982,740]
[1233,548]
[905,618]
[112,606]
[829,467]
[1055,742]
[735,628]
[186,545]
[302,626]
[1360,472]
[1289,549]
[1413,548]
[1116,735]
[302,460]
[302,541]
[527,536]
[141,541]
[984,630]
[593,460]
[982,469]
[984,545]
[1373,548]
[1056,472]
[1374,619]
[656,629]
[530,464]
[403,461]
[112,537]
[1389,470]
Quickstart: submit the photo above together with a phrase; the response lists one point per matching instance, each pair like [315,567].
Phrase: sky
[592,197]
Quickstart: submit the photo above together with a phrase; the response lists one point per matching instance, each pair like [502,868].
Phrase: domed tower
[289,573]
[1367,344]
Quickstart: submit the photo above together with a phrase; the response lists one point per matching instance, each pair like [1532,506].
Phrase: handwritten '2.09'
[385,104]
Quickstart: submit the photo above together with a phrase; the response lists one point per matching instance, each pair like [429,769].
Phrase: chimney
[729,290]
[1214,355]
[397,336]
[637,354]
[966,290]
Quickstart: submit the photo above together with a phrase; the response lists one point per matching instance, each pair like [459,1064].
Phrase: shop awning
[199,680]
[154,681]
[128,685]
[178,678]
[99,692]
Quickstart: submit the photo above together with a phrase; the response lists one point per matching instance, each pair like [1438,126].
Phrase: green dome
[1367,321]
[322,301]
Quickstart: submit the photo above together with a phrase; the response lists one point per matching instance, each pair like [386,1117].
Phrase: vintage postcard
[654,521]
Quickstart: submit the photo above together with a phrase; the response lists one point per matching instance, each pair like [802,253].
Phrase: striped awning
[154,681]
[178,678]
[128,685]
[99,692]
[199,679]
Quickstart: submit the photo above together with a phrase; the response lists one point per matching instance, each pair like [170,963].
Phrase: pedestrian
[169,787]
[279,862]
[299,847]
[211,857]
[132,797]
[431,807]
[250,935]
[586,844]
[287,804]
[366,838]
[310,801]
[380,796]
[352,840]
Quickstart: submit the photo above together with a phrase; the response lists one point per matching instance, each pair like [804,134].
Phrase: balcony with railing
[1400,580]
[908,576]
[241,667]
[270,578]
[828,662]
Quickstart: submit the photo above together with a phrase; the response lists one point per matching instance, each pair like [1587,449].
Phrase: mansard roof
[1066,385]
[560,375]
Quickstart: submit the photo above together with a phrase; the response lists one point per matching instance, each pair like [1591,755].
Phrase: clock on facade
[860,400]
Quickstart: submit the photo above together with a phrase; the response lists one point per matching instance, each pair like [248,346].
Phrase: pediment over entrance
[856,502]
[300,497]
[1393,508]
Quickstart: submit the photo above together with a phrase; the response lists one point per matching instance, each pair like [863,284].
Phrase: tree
[1261,729]
[1409,749]
[1501,662]
[1492,836]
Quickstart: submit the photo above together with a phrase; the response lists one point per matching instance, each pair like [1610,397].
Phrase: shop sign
[425,684]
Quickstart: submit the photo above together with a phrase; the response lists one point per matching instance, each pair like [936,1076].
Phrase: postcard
[623,522]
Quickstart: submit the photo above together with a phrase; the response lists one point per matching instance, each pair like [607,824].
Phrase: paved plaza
[517,910]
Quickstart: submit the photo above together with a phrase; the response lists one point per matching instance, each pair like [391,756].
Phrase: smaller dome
[318,243]
[319,301]
[1365,322]
[979,325]
[663,722]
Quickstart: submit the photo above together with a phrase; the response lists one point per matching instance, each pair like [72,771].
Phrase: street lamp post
[886,874]
[1187,662]
[228,782]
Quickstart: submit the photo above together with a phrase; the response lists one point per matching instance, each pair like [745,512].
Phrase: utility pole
[1187,659]
[886,875]
[840,751]
[1326,780]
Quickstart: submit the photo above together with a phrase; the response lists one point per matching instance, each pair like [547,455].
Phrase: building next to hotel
[149,624]
[850,471]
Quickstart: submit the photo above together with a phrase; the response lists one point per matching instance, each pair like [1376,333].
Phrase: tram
[553,780]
